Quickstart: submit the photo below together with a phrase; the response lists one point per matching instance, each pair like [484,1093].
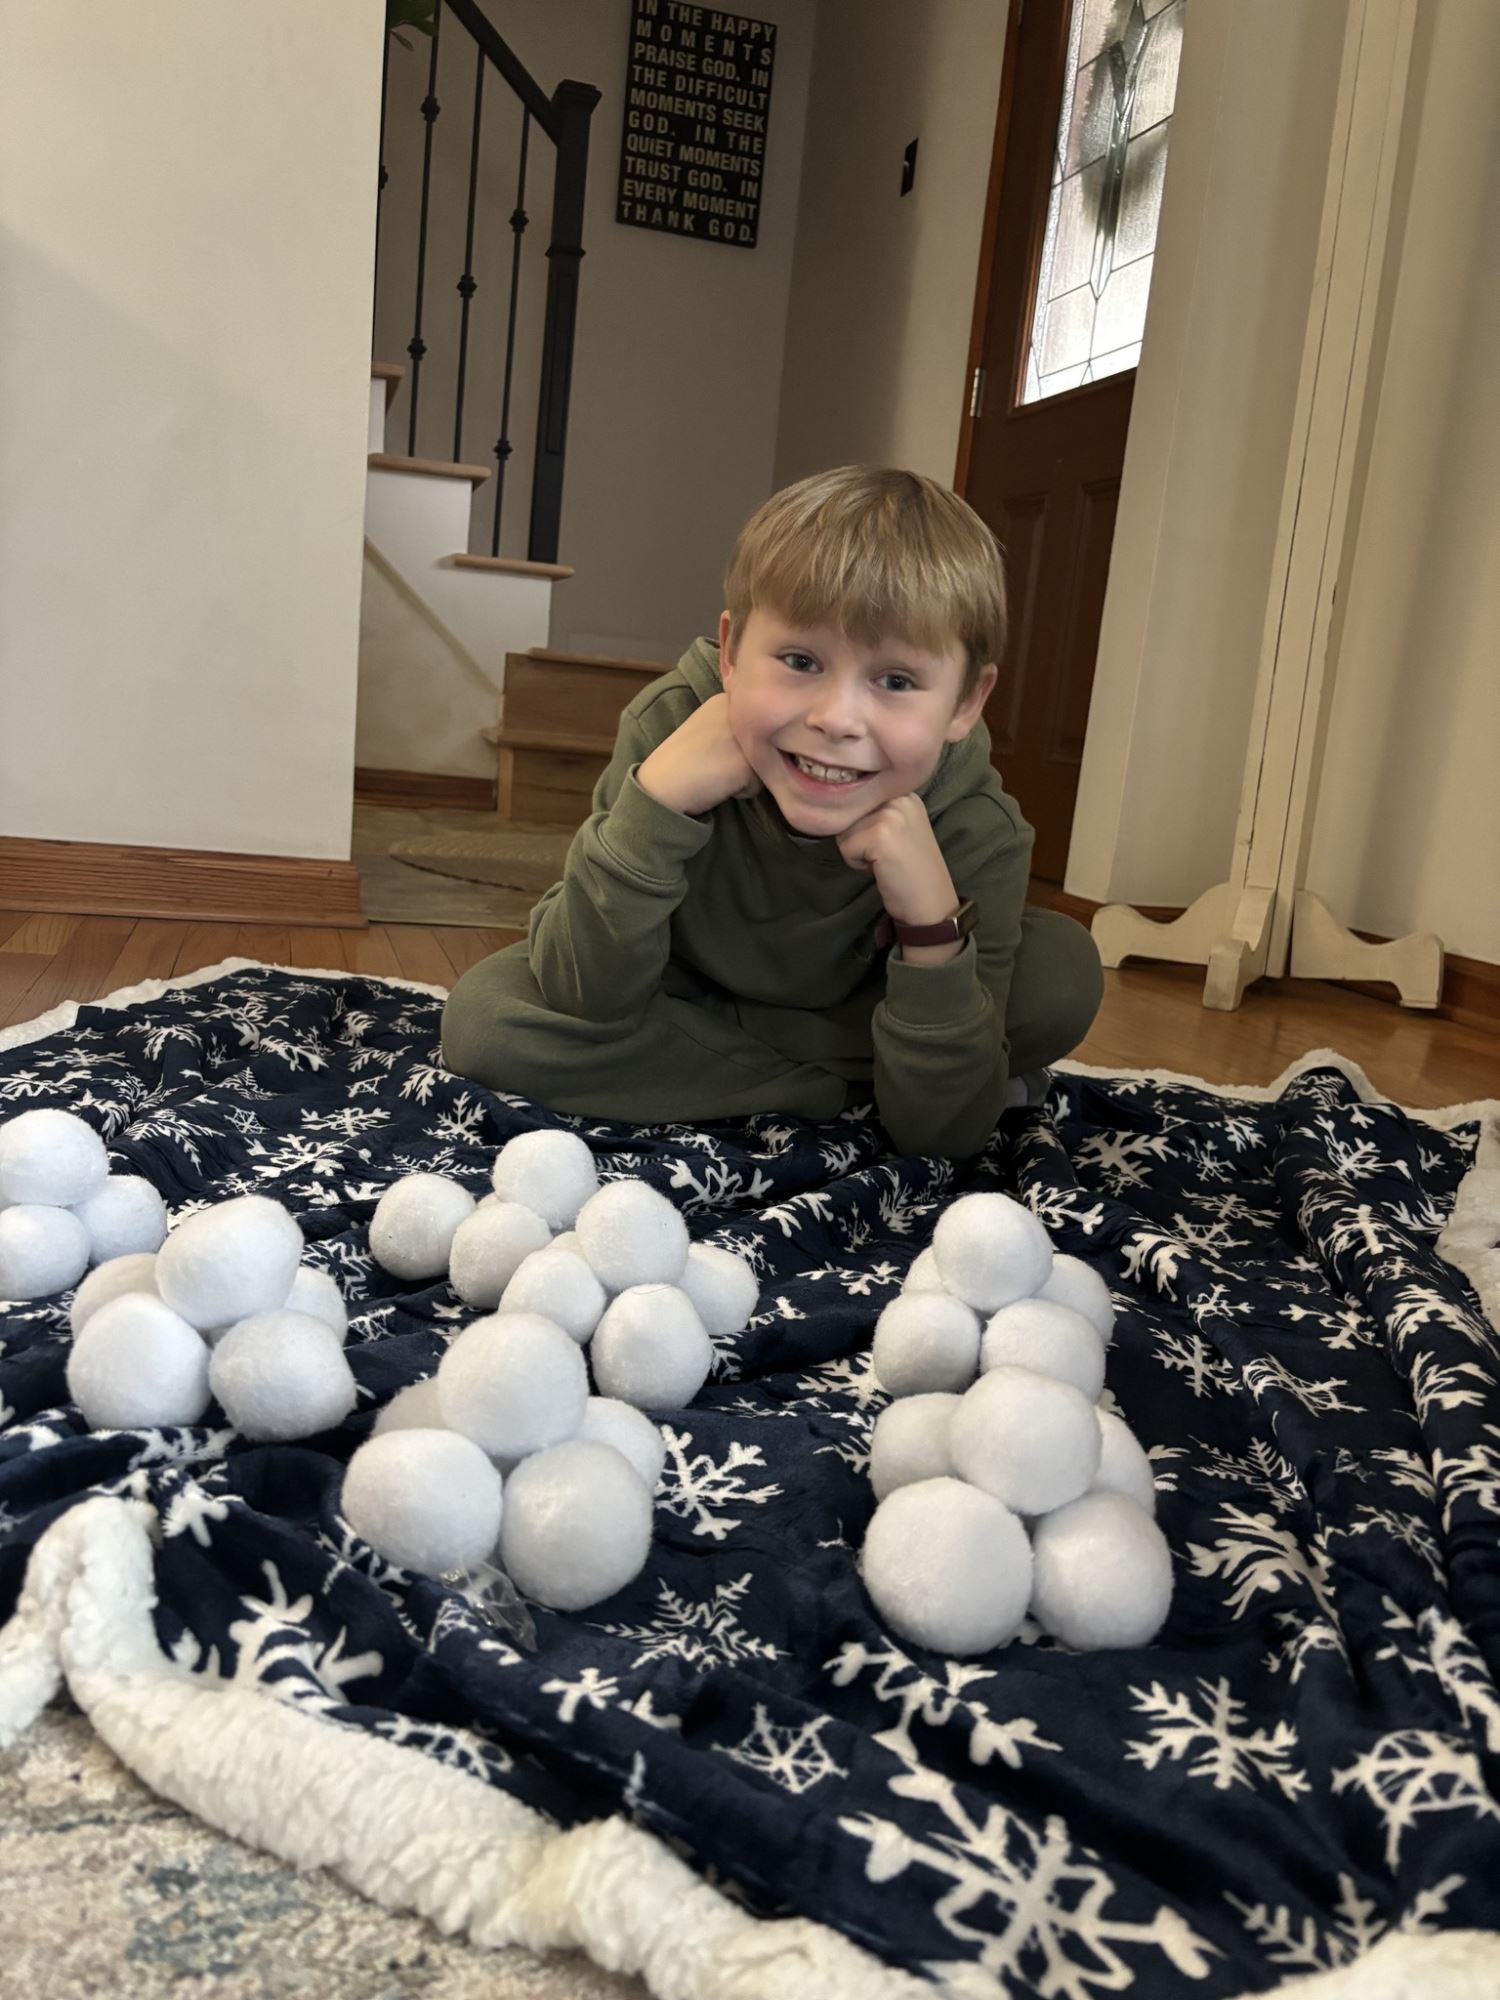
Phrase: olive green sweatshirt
[775,931]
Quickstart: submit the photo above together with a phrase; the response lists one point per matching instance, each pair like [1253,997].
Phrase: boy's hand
[897,845]
[700,764]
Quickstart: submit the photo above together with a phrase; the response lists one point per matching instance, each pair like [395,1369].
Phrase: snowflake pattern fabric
[1307,1758]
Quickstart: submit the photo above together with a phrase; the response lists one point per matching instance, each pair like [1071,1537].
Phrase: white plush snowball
[316,1293]
[514,1383]
[925,1341]
[427,1500]
[42,1251]
[651,1349]
[631,1235]
[722,1286]
[50,1157]
[414,1408]
[227,1262]
[137,1365]
[1076,1284]
[552,1172]
[948,1567]
[124,1216]
[136,1273]
[910,1442]
[1103,1573]
[1029,1439]
[412,1229]
[559,1285]
[577,1525]
[281,1375]
[990,1250]
[1052,1339]
[1123,1464]
[566,1239]
[630,1432]
[924,1275]
[488,1249]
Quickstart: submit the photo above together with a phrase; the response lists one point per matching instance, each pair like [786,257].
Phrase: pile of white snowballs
[1003,1487]
[61,1210]
[504,1450]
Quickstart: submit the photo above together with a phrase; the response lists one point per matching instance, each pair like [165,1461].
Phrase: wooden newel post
[573,107]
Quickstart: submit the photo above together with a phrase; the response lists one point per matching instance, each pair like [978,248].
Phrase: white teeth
[830,774]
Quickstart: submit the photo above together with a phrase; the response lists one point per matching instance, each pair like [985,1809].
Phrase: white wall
[678,364]
[1408,826]
[186,228]
[883,286]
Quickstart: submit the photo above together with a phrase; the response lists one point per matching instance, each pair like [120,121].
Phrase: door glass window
[1107,173]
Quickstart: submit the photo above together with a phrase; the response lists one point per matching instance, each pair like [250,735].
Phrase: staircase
[456,682]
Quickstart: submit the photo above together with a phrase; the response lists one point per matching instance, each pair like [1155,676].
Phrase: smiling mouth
[828,777]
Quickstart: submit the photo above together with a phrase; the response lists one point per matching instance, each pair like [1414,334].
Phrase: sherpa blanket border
[414,1835]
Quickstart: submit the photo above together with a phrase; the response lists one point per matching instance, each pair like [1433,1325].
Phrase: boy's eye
[793,658]
[905,681]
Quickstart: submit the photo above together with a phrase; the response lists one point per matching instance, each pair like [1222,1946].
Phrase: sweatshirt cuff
[648,838]
[934,996]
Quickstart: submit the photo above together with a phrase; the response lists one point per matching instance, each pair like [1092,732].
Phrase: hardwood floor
[1151,1018]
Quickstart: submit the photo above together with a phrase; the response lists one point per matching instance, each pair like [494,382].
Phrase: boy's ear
[726,665]
[971,707]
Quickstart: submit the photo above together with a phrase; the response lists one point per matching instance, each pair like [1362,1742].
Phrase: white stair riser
[418,522]
[377,414]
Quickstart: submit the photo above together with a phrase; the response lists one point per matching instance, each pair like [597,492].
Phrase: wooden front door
[1069,241]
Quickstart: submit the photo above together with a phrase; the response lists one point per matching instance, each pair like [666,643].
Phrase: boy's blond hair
[878,553]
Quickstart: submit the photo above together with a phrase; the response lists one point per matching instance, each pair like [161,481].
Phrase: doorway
[1065,271]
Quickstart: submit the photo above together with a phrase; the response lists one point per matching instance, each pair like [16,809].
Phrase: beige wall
[677,376]
[883,285]
[185,247]
[1408,826]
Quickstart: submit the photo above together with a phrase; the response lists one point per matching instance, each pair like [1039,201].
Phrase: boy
[801,877]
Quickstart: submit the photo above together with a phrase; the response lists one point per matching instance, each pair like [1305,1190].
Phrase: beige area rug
[446,867]
[123,1895]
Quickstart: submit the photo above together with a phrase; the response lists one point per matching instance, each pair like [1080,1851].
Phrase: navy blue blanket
[1309,1755]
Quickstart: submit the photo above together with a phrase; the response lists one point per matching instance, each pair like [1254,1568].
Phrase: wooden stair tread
[595,660]
[432,468]
[511,566]
[562,741]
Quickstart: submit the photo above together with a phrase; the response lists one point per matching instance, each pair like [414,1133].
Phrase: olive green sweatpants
[681,1063]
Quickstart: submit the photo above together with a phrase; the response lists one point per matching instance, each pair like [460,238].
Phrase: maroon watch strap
[952,930]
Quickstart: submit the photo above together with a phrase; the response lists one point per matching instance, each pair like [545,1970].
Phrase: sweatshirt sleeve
[598,940]
[942,1058]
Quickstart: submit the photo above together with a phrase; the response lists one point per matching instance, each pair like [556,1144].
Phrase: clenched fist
[700,764]
[897,845]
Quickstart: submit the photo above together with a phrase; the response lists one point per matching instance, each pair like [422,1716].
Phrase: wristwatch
[952,930]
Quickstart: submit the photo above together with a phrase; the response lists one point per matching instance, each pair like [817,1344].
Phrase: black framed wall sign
[697,105]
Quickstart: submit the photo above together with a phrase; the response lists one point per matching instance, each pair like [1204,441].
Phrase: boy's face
[833,728]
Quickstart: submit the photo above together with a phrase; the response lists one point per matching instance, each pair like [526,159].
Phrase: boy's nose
[835,712]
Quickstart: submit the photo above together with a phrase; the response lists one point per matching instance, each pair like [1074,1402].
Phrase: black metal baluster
[385,78]
[466,285]
[572,107]
[416,347]
[518,221]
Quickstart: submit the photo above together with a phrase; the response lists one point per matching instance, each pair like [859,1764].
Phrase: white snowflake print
[592,1688]
[1409,1773]
[702,1490]
[1013,1894]
[699,1632]
[1433,1643]
[1260,1557]
[1215,1744]
[1314,1946]
[792,1756]
[919,1698]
